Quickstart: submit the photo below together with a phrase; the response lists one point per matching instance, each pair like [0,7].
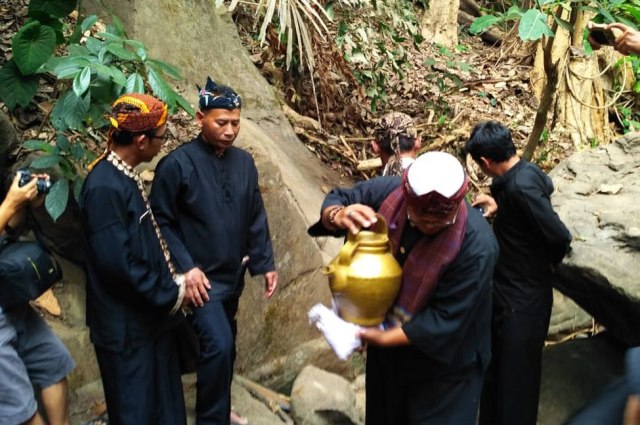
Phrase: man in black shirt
[207,200]
[533,240]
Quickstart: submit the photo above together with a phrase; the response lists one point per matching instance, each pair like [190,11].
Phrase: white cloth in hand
[342,336]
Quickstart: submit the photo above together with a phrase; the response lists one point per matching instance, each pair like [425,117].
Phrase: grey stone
[575,372]
[600,272]
[322,398]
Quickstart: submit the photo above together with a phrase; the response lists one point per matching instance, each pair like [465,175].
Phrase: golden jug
[365,277]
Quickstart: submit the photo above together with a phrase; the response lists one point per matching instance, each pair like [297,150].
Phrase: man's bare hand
[270,283]
[355,217]
[627,39]
[388,338]
[487,203]
[196,287]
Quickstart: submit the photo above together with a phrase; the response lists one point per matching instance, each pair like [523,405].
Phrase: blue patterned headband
[218,96]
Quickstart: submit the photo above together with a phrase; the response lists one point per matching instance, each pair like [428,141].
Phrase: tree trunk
[440,22]
[573,94]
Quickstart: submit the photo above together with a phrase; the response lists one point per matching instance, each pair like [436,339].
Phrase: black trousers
[215,325]
[402,390]
[512,385]
[142,386]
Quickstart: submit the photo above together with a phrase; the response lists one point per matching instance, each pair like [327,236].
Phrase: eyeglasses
[431,221]
[162,138]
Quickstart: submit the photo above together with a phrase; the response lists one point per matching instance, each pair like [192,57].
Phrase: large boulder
[291,177]
[575,372]
[322,398]
[598,193]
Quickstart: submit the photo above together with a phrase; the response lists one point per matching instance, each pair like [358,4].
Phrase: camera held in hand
[43,185]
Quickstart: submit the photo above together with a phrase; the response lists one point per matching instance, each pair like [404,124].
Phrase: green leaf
[77,187]
[82,81]
[483,23]
[566,25]
[117,27]
[135,44]
[514,12]
[165,68]
[110,38]
[55,8]
[15,88]
[32,46]
[78,50]
[70,111]
[62,142]
[38,145]
[533,25]
[182,102]
[56,200]
[608,17]
[110,72]
[78,152]
[88,22]
[46,161]
[121,52]
[159,87]
[94,45]
[134,84]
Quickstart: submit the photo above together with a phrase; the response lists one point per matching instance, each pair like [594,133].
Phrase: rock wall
[202,41]
[598,193]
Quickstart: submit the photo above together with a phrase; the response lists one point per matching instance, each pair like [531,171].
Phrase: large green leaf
[55,8]
[533,25]
[62,142]
[88,22]
[77,187]
[46,161]
[32,46]
[82,81]
[56,200]
[121,52]
[165,68]
[483,23]
[182,102]
[135,84]
[38,145]
[94,45]
[70,111]
[160,87]
[15,88]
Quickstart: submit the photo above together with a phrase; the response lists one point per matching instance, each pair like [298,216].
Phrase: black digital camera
[43,185]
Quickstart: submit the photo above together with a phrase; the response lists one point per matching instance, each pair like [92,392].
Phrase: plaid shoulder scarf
[427,261]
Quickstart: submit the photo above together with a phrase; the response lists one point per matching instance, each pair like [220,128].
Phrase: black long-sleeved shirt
[130,291]
[532,237]
[452,330]
[211,213]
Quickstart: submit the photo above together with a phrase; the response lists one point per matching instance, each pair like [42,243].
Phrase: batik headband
[218,96]
[393,125]
[137,113]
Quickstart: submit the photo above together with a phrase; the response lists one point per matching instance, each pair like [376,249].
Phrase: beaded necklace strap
[128,171]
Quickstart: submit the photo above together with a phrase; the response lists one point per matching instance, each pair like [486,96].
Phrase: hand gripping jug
[365,277]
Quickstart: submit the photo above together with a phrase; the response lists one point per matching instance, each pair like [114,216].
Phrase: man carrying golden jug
[425,363]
